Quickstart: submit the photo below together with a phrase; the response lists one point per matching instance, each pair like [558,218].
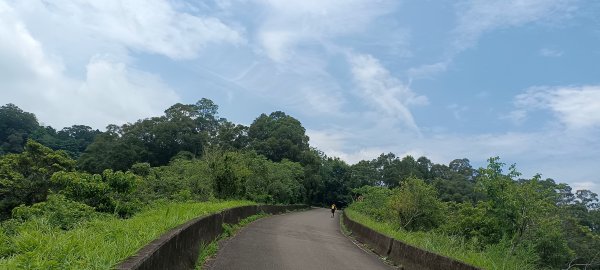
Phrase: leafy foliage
[58,211]
[278,136]
[416,205]
[25,177]
[191,154]
[109,192]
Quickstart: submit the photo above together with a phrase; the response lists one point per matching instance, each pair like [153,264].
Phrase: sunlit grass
[102,242]
[493,257]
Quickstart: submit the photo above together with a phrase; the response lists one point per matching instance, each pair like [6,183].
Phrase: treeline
[191,153]
[535,222]
[17,126]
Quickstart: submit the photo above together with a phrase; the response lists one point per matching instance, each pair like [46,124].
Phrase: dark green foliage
[251,176]
[373,201]
[337,185]
[109,192]
[59,212]
[73,140]
[191,154]
[412,206]
[15,128]
[141,169]
[416,206]
[180,180]
[184,131]
[534,219]
[111,150]
[278,136]
[25,177]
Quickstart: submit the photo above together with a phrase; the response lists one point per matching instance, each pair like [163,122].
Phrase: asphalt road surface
[301,240]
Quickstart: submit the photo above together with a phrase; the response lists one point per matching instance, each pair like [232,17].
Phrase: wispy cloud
[577,107]
[385,92]
[291,23]
[111,92]
[427,70]
[546,52]
[152,26]
[478,17]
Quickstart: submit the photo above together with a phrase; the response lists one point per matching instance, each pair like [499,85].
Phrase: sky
[519,79]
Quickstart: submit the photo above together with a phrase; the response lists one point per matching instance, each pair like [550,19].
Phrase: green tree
[25,177]
[525,212]
[15,128]
[373,201]
[109,192]
[416,205]
[278,136]
[111,151]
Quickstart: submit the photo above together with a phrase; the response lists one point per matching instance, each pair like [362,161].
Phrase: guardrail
[406,256]
[178,249]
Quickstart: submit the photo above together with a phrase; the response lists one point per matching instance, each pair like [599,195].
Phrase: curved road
[301,240]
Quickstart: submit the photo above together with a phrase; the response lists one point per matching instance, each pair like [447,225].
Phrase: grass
[493,257]
[103,242]
[229,230]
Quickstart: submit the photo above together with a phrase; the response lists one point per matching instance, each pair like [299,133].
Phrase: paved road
[302,240]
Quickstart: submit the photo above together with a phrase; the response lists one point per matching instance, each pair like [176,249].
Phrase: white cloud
[289,23]
[556,154]
[150,26]
[477,17]
[546,52]
[426,71]
[110,92]
[116,94]
[385,92]
[457,111]
[586,185]
[577,107]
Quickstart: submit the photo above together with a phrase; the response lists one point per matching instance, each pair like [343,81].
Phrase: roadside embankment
[402,254]
[179,248]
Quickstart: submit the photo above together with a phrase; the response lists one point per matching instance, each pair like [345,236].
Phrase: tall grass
[492,257]
[103,242]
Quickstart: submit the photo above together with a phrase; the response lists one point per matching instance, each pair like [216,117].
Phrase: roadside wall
[402,254]
[179,248]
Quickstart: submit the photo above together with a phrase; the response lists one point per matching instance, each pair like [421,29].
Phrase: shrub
[110,192]
[59,211]
[416,205]
[373,202]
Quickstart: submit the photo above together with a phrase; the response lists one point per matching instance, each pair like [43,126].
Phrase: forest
[65,178]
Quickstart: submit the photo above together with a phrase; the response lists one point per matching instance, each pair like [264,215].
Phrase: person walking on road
[333,207]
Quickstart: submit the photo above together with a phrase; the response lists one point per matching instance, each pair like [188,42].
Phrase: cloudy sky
[446,79]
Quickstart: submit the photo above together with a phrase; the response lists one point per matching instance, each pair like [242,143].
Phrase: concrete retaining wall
[405,255]
[179,248]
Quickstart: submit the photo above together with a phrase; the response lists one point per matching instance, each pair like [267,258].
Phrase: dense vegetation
[66,181]
[100,242]
[504,222]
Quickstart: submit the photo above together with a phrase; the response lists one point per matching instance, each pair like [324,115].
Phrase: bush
[416,205]
[59,211]
[472,223]
[179,177]
[141,169]
[373,201]
[24,177]
[110,192]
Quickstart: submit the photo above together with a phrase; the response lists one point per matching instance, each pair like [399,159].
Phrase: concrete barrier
[179,248]
[402,254]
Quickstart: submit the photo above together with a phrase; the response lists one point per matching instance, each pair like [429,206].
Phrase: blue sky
[446,79]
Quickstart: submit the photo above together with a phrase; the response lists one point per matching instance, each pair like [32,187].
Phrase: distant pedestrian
[333,207]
